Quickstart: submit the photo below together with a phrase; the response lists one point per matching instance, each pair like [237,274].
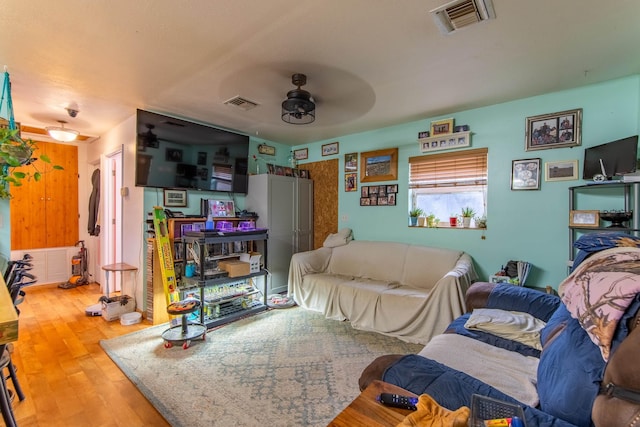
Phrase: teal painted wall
[522,225]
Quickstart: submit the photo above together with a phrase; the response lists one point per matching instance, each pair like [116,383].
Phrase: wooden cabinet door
[44,214]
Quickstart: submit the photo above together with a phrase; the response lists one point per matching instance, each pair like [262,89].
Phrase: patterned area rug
[288,367]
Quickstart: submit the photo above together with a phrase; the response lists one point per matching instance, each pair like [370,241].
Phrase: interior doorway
[112,229]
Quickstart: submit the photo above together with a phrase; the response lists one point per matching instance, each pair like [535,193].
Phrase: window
[443,184]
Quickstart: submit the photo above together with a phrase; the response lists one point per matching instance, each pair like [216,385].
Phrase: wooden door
[44,214]
[325,176]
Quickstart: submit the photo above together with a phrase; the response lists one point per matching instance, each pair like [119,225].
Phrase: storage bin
[118,306]
[253,258]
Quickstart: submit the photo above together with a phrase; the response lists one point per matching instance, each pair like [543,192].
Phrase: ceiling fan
[299,108]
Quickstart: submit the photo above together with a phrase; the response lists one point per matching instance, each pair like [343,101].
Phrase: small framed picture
[566,170]
[442,127]
[304,174]
[350,182]
[351,162]
[173,155]
[555,130]
[202,157]
[584,218]
[267,149]
[301,154]
[175,198]
[525,174]
[330,149]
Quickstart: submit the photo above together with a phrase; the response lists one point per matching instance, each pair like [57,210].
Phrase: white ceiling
[369,63]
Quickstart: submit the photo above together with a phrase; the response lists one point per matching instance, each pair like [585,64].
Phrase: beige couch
[407,291]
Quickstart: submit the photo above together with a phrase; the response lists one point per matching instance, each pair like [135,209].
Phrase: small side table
[366,411]
[121,267]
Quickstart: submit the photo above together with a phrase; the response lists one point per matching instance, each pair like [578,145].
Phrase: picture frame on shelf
[525,174]
[562,170]
[584,218]
[351,162]
[445,142]
[379,165]
[221,208]
[441,127]
[330,149]
[301,154]
[175,198]
[555,130]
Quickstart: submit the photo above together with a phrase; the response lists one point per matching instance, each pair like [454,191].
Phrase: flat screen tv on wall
[176,153]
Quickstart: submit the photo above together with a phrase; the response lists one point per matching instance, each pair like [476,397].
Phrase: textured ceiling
[369,63]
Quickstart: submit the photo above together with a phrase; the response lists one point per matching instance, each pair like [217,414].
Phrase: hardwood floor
[67,378]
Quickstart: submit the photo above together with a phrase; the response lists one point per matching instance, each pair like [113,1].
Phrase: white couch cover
[407,291]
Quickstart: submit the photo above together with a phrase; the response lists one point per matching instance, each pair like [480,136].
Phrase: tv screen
[611,159]
[176,153]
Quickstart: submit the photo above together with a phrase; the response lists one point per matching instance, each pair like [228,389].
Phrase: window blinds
[453,169]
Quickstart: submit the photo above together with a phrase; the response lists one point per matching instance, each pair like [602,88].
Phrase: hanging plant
[16,152]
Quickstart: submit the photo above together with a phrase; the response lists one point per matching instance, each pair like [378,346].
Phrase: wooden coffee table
[366,411]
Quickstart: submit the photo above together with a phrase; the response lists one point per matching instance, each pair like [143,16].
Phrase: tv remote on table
[398,401]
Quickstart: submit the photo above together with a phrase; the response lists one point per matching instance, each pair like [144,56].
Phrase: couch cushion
[569,371]
[440,262]
[382,261]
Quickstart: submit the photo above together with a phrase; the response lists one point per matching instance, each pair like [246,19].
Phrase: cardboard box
[235,268]
[118,306]
[253,258]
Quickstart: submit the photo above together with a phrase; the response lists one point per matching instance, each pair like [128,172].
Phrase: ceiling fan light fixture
[298,108]
[61,133]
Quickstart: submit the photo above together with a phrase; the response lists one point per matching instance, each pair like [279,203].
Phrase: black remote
[398,401]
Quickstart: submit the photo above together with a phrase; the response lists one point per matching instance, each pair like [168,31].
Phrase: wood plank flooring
[67,378]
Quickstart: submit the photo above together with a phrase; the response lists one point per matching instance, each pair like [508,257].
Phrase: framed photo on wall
[379,165]
[330,149]
[555,130]
[301,154]
[350,182]
[175,198]
[525,174]
[561,170]
[351,162]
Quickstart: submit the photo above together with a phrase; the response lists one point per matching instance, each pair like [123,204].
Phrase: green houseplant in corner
[16,152]
[413,216]
[467,214]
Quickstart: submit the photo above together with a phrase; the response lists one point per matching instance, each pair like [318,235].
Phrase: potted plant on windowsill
[467,214]
[413,216]
[16,152]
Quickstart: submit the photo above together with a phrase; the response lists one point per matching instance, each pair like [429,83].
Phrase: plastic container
[486,408]
[130,318]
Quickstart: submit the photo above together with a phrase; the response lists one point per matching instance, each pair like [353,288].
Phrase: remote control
[398,401]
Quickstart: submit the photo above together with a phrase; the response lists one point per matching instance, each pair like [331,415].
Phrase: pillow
[599,291]
[514,325]
[341,238]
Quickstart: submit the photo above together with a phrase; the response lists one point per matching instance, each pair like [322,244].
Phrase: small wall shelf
[445,142]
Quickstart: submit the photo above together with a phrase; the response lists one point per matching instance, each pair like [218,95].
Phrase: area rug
[289,367]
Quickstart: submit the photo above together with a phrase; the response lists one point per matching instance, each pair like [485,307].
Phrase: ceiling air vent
[462,13]
[242,103]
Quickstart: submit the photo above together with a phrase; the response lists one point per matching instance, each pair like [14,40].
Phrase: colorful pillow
[599,291]
[594,242]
